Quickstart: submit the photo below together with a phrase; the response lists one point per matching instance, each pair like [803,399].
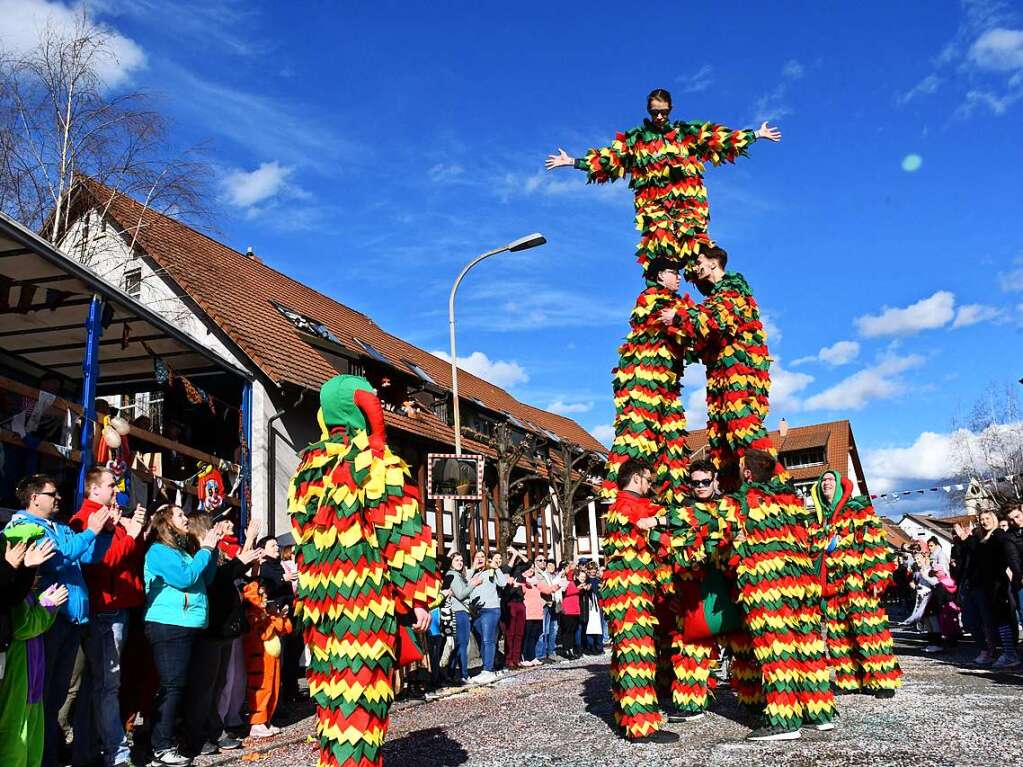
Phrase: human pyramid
[752,570]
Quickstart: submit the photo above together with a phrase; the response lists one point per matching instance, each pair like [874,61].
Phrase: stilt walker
[665,161]
[855,569]
[367,571]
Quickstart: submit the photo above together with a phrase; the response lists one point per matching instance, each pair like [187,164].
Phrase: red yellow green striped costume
[702,614]
[650,420]
[764,532]
[856,568]
[665,166]
[726,334]
[364,557]
[628,592]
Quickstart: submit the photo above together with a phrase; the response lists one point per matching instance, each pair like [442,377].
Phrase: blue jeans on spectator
[485,628]
[1019,607]
[461,656]
[99,713]
[172,649]
[546,642]
[61,645]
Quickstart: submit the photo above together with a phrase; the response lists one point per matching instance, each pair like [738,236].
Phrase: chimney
[783,428]
[249,253]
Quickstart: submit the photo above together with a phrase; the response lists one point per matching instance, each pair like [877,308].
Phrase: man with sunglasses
[41,504]
[665,162]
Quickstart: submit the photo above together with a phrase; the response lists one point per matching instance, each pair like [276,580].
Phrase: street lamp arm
[454,355]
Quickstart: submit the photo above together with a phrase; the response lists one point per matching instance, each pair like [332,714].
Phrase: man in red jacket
[115,585]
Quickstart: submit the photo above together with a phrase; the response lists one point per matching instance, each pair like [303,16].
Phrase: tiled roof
[235,291]
[895,534]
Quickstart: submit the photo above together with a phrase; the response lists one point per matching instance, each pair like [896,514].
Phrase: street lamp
[523,243]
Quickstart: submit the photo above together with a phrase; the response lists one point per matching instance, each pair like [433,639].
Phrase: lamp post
[523,243]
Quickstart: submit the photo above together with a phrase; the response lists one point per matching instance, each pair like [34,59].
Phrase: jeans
[104,643]
[1019,607]
[461,658]
[513,632]
[485,628]
[172,649]
[206,678]
[550,628]
[61,644]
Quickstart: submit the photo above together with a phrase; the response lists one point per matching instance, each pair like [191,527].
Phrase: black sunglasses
[660,112]
[702,482]
[54,494]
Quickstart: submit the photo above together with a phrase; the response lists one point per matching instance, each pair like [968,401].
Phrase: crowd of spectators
[517,612]
[135,636]
[126,634]
[978,590]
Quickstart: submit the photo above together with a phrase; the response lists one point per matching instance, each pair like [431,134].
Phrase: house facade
[291,339]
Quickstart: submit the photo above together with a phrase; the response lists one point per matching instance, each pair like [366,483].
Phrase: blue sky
[371,150]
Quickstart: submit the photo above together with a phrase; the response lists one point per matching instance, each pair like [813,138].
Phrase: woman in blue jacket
[178,568]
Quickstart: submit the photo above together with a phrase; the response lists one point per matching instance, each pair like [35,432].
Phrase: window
[372,352]
[307,324]
[798,459]
[423,375]
[133,283]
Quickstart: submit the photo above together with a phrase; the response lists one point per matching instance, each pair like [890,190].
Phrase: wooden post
[496,494]
[527,521]
[485,516]
[543,532]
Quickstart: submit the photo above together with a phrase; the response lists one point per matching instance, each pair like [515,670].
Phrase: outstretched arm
[602,164]
[717,144]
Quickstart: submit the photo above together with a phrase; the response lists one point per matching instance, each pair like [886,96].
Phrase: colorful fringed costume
[763,530]
[665,167]
[629,587]
[365,559]
[21,685]
[705,613]
[855,570]
[650,421]
[726,334]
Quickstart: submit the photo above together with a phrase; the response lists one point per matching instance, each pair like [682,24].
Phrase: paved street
[946,714]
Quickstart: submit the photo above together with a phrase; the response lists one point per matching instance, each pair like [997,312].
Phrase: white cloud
[786,385]
[698,81]
[771,329]
[245,189]
[25,20]
[998,49]
[880,381]
[932,456]
[971,314]
[511,185]
[839,353]
[499,372]
[1012,281]
[998,105]
[604,434]
[772,106]
[561,407]
[928,313]
[793,70]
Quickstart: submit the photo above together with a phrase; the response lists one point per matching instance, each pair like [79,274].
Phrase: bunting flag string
[166,376]
[957,487]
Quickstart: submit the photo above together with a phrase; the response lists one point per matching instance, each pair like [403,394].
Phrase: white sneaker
[1006,661]
[485,677]
[171,757]
[934,648]
[820,726]
[263,731]
[984,659]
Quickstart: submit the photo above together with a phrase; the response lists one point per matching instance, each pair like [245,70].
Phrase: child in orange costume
[263,658]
